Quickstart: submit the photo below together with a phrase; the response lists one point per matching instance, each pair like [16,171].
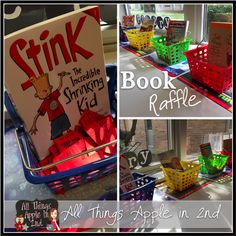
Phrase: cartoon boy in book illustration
[50,105]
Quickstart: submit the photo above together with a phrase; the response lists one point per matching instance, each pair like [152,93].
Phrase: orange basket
[181,180]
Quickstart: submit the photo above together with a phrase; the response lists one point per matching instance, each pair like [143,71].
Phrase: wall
[159,134]
[196,129]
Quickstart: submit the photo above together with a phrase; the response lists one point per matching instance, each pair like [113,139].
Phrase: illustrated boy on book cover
[50,105]
[54,71]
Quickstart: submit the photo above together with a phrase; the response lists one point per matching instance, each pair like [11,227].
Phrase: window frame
[205,24]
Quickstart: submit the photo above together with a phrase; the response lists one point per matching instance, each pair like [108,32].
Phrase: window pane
[203,131]
[220,13]
[173,11]
[140,135]
[160,136]
[152,134]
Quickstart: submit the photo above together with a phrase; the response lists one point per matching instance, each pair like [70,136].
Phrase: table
[135,102]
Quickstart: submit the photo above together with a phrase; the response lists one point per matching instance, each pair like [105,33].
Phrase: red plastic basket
[217,78]
[229,161]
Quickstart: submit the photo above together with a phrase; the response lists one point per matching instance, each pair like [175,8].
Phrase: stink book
[54,70]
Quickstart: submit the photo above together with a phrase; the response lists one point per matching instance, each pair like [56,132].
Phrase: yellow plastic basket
[139,40]
[181,180]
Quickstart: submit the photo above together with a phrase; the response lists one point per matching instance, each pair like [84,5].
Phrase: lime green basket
[212,166]
[171,54]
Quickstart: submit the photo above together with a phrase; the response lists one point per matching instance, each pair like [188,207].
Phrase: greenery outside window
[216,12]
[173,11]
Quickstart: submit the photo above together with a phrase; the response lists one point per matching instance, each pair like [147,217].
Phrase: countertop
[135,102]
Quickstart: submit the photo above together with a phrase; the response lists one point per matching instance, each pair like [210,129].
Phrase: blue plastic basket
[68,179]
[144,191]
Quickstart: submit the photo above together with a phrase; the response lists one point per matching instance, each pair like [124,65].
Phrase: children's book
[128,21]
[165,158]
[176,31]
[169,160]
[147,25]
[206,150]
[220,44]
[54,70]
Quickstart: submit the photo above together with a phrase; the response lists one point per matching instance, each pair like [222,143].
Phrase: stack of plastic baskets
[171,54]
[144,191]
[139,40]
[181,180]
[212,166]
[217,78]
[64,180]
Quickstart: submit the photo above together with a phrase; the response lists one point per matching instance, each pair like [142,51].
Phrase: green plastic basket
[171,54]
[212,166]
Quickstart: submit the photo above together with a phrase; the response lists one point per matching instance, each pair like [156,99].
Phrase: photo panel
[180,167]
[60,76]
[118,117]
[175,60]
[176,108]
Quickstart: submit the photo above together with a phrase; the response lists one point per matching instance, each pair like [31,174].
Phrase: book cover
[206,150]
[55,70]
[176,31]
[220,44]
[128,21]
[165,158]
[147,25]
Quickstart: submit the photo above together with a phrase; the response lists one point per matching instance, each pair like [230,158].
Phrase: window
[204,131]
[155,135]
[216,12]
[174,11]
[159,13]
